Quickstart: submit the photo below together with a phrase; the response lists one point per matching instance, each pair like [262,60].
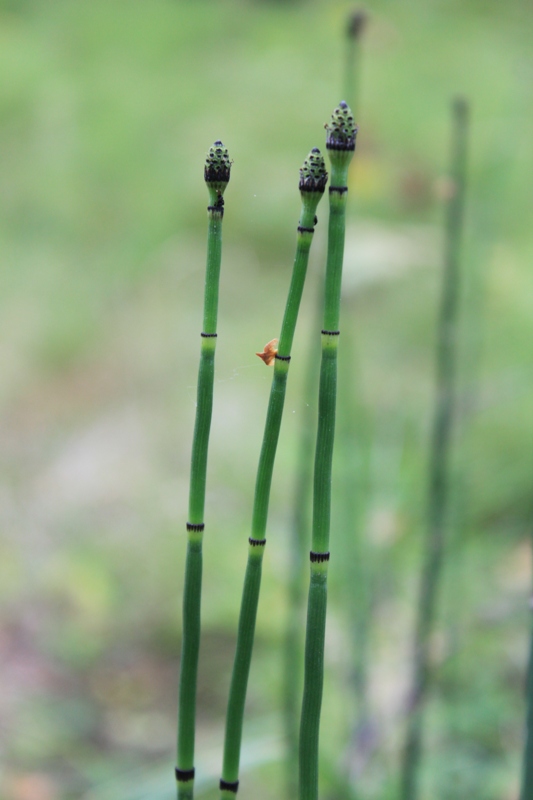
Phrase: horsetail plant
[439,480]
[313,179]
[216,175]
[354,424]
[340,144]
[353,30]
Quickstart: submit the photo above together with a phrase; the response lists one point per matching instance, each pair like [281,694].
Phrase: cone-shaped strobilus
[216,175]
[340,144]
[313,179]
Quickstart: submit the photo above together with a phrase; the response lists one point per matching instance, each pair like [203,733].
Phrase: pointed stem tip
[460,106]
[313,174]
[217,168]
[356,23]
[342,130]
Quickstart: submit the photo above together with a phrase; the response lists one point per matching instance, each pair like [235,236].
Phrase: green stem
[217,173]
[438,493]
[293,643]
[313,178]
[341,144]
[355,25]
[526,792]
[354,420]
[313,680]
[358,564]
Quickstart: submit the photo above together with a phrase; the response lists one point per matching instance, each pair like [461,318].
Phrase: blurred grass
[106,112]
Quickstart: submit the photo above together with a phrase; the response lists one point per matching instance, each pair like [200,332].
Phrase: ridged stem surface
[252,581]
[438,490]
[317,599]
[193,565]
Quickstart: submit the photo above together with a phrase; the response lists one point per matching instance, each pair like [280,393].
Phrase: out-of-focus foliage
[107,110]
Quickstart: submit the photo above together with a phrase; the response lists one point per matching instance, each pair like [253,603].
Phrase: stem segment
[216,174]
[439,458]
[526,792]
[300,526]
[313,179]
[354,28]
[358,572]
[340,142]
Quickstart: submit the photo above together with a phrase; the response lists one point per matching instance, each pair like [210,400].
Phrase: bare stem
[438,490]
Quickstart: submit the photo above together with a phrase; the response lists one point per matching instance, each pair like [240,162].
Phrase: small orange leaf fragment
[269,352]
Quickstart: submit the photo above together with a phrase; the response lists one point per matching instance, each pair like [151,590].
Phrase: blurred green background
[107,110]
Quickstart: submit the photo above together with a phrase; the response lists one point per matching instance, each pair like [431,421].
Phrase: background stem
[526,792]
[438,491]
[355,25]
[299,532]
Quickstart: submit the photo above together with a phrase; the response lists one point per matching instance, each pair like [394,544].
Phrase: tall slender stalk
[438,490]
[354,28]
[313,178]
[216,175]
[302,494]
[353,469]
[340,143]
[357,577]
[526,792]
[300,526]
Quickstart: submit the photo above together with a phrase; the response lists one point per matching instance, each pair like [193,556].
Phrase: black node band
[229,786]
[257,542]
[318,557]
[195,526]
[339,189]
[209,335]
[301,229]
[330,333]
[282,358]
[346,146]
[183,775]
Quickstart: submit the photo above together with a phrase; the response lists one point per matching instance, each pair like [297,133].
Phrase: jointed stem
[317,600]
[314,680]
[311,194]
[189,669]
[341,144]
[355,25]
[217,172]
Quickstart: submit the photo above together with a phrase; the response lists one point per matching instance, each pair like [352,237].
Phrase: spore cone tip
[342,130]
[217,167]
[313,174]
